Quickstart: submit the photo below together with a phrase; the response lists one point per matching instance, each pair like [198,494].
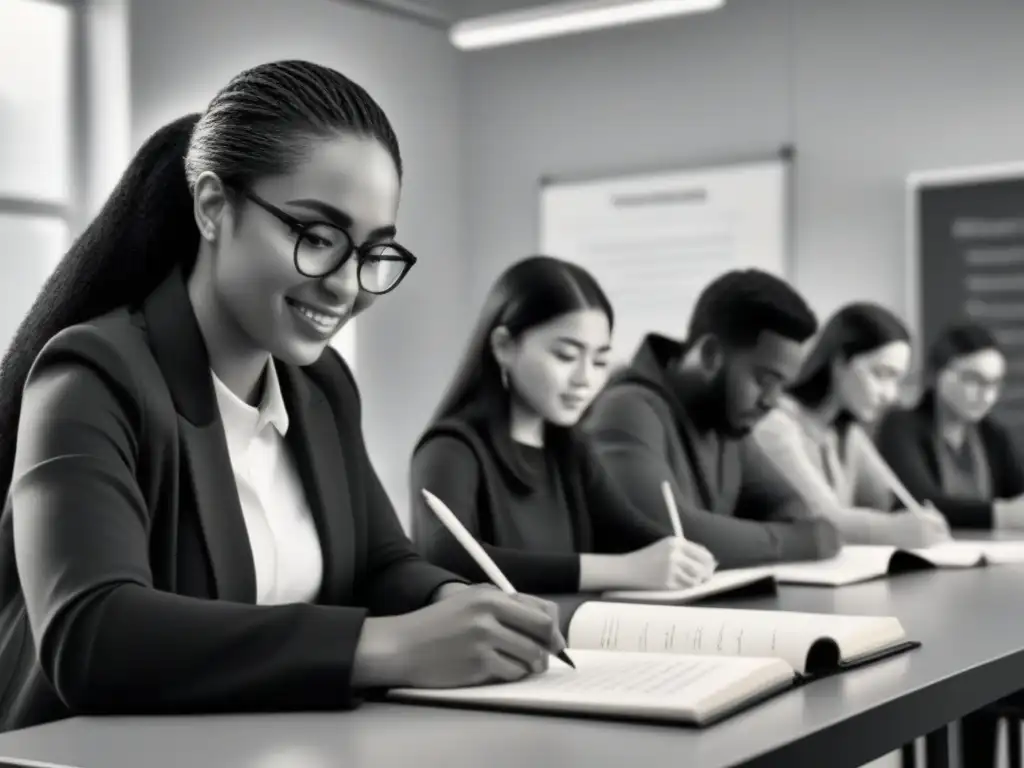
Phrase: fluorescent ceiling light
[567,18]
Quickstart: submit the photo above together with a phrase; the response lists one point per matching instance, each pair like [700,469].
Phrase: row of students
[558,467]
[770,449]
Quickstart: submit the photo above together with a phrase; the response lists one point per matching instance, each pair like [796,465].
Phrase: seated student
[192,523]
[502,452]
[678,411]
[815,436]
[948,450]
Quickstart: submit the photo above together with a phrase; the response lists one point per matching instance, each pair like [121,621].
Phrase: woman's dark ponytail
[145,228]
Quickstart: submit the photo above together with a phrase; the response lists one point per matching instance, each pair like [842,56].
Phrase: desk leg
[936,747]
[908,755]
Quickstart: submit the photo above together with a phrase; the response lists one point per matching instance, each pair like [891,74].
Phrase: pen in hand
[482,559]
[673,510]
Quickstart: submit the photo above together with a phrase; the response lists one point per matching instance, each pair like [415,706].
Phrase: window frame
[72,209]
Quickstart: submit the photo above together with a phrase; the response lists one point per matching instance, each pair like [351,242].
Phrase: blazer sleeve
[106,639]
[629,439]
[903,443]
[447,467]
[398,579]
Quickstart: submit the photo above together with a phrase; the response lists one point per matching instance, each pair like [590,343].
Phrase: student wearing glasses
[949,450]
[504,454]
[817,437]
[192,523]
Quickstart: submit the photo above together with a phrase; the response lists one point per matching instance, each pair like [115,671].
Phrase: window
[37,179]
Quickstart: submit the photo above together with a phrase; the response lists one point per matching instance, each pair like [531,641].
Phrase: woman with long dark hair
[192,523]
[503,453]
[817,436]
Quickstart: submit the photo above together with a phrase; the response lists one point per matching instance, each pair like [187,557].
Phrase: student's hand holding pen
[475,635]
[669,563]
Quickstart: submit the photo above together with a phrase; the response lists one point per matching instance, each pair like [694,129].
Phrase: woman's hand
[474,635]
[670,563]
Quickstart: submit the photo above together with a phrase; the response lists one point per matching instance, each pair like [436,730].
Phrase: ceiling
[467,8]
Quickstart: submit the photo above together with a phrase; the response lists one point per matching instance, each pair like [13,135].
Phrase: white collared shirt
[285,546]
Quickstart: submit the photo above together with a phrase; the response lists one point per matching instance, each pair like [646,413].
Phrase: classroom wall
[867,91]
[183,51]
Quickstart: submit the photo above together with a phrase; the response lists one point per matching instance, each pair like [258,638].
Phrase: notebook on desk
[858,563]
[736,582]
[682,664]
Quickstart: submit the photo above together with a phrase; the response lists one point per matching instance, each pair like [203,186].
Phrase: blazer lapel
[314,440]
[180,352]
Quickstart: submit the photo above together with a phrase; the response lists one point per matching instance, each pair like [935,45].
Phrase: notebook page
[674,687]
[853,563]
[725,632]
[722,581]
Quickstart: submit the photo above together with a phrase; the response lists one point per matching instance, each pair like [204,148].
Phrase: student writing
[678,412]
[503,454]
[192,522]
[816,436]
[949,449]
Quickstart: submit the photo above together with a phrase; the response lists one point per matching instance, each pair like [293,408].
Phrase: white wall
[182,51]
[866,91]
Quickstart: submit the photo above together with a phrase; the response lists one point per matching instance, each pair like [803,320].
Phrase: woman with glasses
[817,437]
[503,452]
[192,523]
[950,451]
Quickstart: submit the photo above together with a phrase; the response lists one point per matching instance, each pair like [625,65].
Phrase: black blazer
[906,440]
[468,462]
[127,583]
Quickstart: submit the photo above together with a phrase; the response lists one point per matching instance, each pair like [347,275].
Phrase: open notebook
[857,563]
[682,664]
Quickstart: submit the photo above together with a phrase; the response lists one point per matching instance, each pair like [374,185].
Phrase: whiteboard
[655,241]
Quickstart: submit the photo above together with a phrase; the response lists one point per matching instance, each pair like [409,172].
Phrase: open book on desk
[682,664]
[857,563]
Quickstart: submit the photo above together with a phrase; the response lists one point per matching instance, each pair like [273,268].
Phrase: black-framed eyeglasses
[321,249]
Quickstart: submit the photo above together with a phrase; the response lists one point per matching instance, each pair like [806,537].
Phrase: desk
[973,654]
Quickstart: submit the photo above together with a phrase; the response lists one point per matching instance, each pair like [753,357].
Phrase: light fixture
[567,18]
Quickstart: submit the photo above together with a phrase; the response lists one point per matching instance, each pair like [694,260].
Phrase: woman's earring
[504,377]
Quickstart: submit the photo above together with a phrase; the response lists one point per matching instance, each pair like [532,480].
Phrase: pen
[673,511]
[895,486]
[465,538]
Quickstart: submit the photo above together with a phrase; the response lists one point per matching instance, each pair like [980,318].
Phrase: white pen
[673,511]
[472,546]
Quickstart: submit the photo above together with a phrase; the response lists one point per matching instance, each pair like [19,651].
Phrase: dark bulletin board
[968,243]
